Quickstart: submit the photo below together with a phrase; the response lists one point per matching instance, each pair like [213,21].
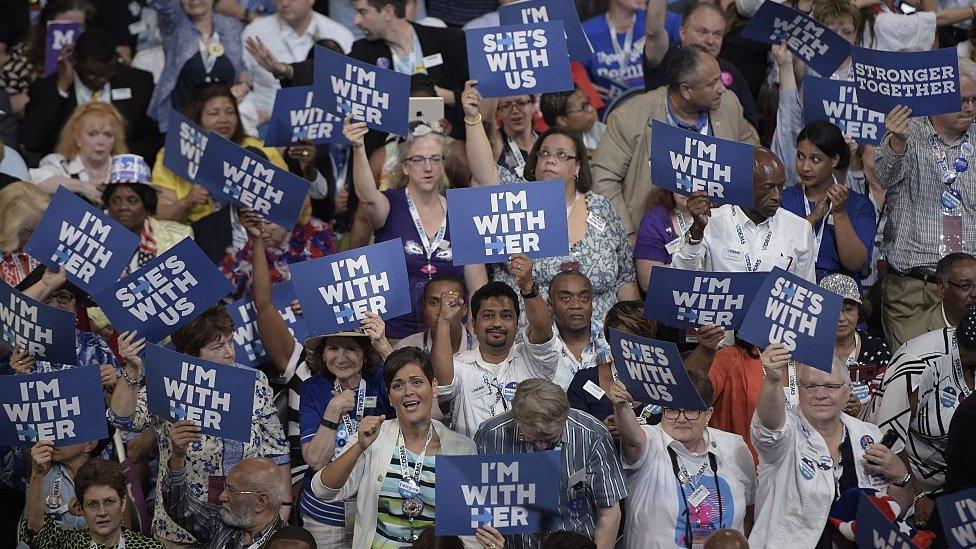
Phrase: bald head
[727,538]
[259,475]
[768,179]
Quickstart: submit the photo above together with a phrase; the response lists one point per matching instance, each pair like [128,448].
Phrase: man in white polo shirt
[482,381]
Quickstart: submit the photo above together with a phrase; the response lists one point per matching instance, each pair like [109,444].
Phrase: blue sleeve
[792,200]
[862,217]
[315,398]
[672,25]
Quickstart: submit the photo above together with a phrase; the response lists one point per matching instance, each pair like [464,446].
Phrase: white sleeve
[652,444]
[773,445]
[348,490]
[541,359]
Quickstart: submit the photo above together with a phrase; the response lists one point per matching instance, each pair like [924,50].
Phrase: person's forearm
[481,159]
[539,322]
[176,462]
[139,448]
[366,190]
[176,209]
[700,359]
[125,398]
[278,343]
[852,252]
[787,80]
[656,41]
[35,505]
[284,473]
[442,354]
[318,451]
[628,291]
[607,524]
[772,406]
[335,474]
[445,94]
[631,434]
[40,290]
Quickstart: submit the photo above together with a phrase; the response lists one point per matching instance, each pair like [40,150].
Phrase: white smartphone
[427,109]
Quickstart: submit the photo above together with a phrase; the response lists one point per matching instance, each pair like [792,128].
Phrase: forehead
[558,141]
[97,121]
[839,22]
[342,342]
[99,492]
[706,17]
[409,371]
[219,102]
[570,283]
[496,304]
[809,374]
[965,267]
[514,99]
[426,144]
[436,288]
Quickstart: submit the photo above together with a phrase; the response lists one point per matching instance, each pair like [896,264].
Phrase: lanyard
[419,466]
[688,507]
[569,209]
[742,240]
[621,53]
[429,246]
[959,165]
[493,387]
[818,234]
[411,64]
[957,367]
[680,218]
[516,155]
[351,422]
[210,53]
[339,155]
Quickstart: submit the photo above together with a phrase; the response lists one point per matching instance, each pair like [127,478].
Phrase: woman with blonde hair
[92,135]
[21,208]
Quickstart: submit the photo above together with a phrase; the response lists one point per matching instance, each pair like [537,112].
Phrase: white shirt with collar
[595,351]
[289,47]
[796,479]
[473,400]
[83,94]
[784,240]
[56,165]
[425,339]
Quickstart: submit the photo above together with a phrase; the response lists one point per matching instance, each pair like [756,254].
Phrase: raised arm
[632,437]
[335,475]
[772,406]
[441,351]
[656,41]
[125,397]
[481,159]
[709,336]
[49,282]
[42,458]
[539,323]
[278,343]
[376,203]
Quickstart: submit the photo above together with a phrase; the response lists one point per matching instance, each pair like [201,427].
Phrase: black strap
[713,464]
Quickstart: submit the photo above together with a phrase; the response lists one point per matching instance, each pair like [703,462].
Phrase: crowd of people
[511,357]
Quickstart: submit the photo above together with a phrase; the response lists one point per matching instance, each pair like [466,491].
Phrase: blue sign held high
[59,35]
[519,59]
[67,407]
[247,343]
[822,49]
[653,372]
[925,81]
[540,11]
[299,114]
[836,102]
[185,144]
[46,332]
[683,298]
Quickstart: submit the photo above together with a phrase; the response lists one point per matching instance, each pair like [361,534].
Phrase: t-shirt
[737,378]
[393,529]
[655,232]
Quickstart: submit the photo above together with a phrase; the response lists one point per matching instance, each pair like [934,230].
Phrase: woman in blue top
[347,386]
[843,220]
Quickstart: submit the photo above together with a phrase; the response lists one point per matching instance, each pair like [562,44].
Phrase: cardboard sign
[527,12]
[92,247]
[957,512]
[506,491]
[489,224]
[836,102]
[185,144]
[59,34]
[683,298]
[519,59]
[684,162]
[822,49]
[875,530]
[371,94]
[299,114]
[46,332]
[653,372]
[218,397]
[67,407]
[235,174]
[925,81]
[797,314]
[165,293]
[247,343]
[336,291]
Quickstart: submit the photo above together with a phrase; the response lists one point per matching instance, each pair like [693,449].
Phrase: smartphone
[889,438]
[427,109]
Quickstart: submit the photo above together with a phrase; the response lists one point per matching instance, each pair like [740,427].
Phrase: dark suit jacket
[48,111]
[214,234]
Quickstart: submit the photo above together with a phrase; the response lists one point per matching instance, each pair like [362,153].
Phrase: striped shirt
[588,454]
[392,528]
[295,375]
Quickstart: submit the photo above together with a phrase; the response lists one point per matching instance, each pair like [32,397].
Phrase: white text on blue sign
[42,412]
[650,366]
[511,228]
[793,310]
[194,396]
[160,292]
[310,122]
[802,36]
[905,82]
[965,532]
[357,95]
[709,301]
[696,168]
[516,54]
[81,249]
[192,144]
[252,184]
[500,499]
[355,290]
[20,327]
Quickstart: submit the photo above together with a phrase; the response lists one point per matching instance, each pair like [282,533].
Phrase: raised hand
[774,359]
[619,395]
[42,457]
[451,305]
[354,132]
[374,327]
[181,434]
[520,267]
[700,208]
[369,429]
[896,122]
[710,335]
[471,99]
[21,362]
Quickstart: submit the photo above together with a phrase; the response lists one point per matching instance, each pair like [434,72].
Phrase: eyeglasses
[966,285]
[674,413]
[435,160]
[241,492]
[585,107]
[561,156]
[520,104]
[63,298]
[828,386]
[108,503]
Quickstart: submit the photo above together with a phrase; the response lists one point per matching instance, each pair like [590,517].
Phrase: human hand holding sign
[775,358]
[181,434]
[896,123]
[471,100]
[520,267]
[42,457]
[21,362]
[354,132]
[700,208]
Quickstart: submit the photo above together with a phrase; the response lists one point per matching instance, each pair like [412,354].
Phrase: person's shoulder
[453,442]
[588,424]
[725,441]
[331,25]
[793,219]
[175,227]
[595,25]
[268,22]
[934,343]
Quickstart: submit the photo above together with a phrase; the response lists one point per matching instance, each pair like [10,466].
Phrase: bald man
[736,238]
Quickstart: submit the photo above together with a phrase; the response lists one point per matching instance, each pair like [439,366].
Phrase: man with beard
[481,382]
[249,504]
[581,345]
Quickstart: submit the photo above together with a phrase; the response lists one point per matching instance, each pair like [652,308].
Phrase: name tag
[733,255]
[674,245]
[595,222]
[577,477]
[594,390]
[121,94]
[370,402]
[480,391]
[433,60]
[698,496]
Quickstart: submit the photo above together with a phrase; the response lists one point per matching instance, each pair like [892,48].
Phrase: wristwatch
[903,481]
[534,292]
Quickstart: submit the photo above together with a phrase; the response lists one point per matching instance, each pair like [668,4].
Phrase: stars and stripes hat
[128,168]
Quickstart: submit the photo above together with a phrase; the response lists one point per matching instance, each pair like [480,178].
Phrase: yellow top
[163,178]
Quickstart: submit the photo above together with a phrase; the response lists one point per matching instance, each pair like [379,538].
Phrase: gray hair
[539,401]
[264,478]
[967,69]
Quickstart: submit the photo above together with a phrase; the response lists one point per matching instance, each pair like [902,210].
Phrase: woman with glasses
[811,456]
[598,245]
[686,480]
[414,210]
[516,115]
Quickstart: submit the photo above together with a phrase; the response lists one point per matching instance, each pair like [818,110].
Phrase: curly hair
[68,142]
[399,179]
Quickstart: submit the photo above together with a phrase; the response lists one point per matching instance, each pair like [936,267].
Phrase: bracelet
[901,483]
[691,240]
[534,292]
[132,382]
[474,122]
[330,424]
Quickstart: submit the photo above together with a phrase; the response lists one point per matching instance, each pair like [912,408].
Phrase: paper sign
[925,81]
[797,314]
[165,293]
[683,298]
[218,397]
[377,96]
[92,247]
[247,343]
[836,102]
[653,372]
[59,35]
[46,332]
[519,59]
[336,291]
[236,174]
[541,11]
[875,530]
[299,114]
[505,491]
[185,144]
[811,41]
[684,162]
[488,224]
[957,512]
[67,407]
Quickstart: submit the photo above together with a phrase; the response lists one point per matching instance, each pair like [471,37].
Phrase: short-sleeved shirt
[615,71]
[585,401]
[393,529]
[655,232]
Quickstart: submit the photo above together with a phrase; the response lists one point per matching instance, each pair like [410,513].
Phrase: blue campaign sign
[797,314]
[336,291]
[67,407]
[488,224]
[247,343]
[506,491]
[957,512]
[519,59]
[59,35]
[92,247]
[812,42]
[684,162]
[185,144]
[46,332]
[165,293]
[541,11]
[218,397]
[377,96]
[653,372]
[241,176]
[875,530]
[299,114]
[836,102]
[925,81]
[694,298]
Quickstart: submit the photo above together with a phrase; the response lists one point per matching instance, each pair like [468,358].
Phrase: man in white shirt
[581,345]
[732,238]
[289,35]
[481,382]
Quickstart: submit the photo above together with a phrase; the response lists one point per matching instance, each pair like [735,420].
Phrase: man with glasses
[518,137]
[572,111]
[591,483]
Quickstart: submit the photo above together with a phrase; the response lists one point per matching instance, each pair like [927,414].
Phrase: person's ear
[561,121]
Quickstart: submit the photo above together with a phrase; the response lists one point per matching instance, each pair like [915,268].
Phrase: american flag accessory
[966,332]
[128,168]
